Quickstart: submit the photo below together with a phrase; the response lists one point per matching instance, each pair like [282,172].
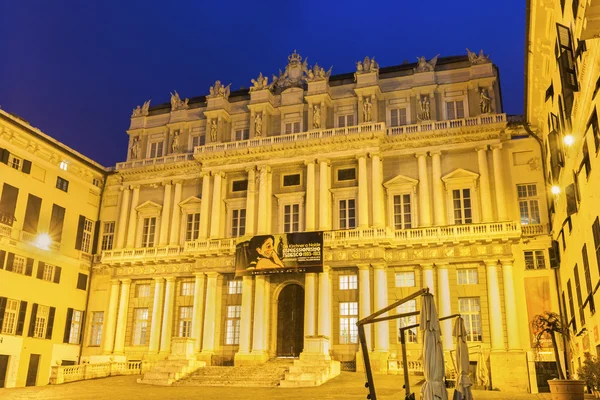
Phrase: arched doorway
[290,321]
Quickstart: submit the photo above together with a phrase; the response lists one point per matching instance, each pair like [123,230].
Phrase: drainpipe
[561,306]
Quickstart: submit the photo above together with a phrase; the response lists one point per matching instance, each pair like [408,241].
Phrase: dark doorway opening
[3,369]
[290,321]
[32,371]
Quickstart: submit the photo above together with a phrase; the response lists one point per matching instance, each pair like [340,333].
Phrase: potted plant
[590,374]
[550,325]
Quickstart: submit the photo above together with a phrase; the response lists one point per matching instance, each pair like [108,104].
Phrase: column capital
[213,274]
[481,148]
[123,188]
[380,265]
[361,155]
[497,146]
[264,168]
[491,262]
[166,183]
[309,162]
[135,187]
[442,265]
[171,278]
[326,269]
[427,266]
[177,181]
[115,282]
[251,168]
[158,279]
[375,154]
[204,174]
[421,154]
[363,267]
[199,274]
[126,281]
[435,153]
[218,173]
[507,261]
[324,160]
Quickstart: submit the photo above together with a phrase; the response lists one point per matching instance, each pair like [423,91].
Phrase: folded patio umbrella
[483,375]
[463,380]
[433,353]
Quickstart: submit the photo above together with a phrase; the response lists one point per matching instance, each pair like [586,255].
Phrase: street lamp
[555,190]
[569,140]
[43,241]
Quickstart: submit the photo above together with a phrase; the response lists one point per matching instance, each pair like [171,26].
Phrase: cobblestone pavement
[348,386]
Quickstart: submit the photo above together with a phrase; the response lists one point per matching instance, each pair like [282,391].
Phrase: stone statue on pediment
[424,108]
[213,130]
[295,73]
[258,122]
[425,66]
[477,59]
[260,83]
[218,90]
[317,73]
[134,150]
[366,65]
[177,103]
[316,116]
[367,109]
[175,143]
[141,111]
[485,101]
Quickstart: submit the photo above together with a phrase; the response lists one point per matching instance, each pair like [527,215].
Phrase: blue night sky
[76,69]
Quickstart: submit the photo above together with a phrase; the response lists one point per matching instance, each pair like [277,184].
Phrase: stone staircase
[268,374]
[308,372]
[166,372]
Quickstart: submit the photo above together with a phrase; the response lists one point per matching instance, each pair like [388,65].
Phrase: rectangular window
[405,279]
[140,326]
[238,222]
[9,323]
[292,127]
[593,122]
[108,235]
[232,325]
[185,321]
[8,204]
[142,290]
[148,232]
[528,204]
[348,319]
[48,272]
[18,265]
[291,218]
[86,238]
[461,200]
[398,116]
[291,180]
[348,282]
[469,309]
[41,322]
[345,120]
[32,214]
[346,174]
[234,287]
[81,281]
[467,276]
[579,296]
[242,134]
[239,186]
[15,162]
[535,259]
[596,234]
[571,306]
[409,334]
[62,184]
[96,329]
[588,279]
[586,158]
[455,109]
[57,220]
[187,288]
[347,214]
[192,230]
[75,330]
[402,212]
[156,149]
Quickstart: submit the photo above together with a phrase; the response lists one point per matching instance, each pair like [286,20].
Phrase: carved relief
[295,73]
[481,250]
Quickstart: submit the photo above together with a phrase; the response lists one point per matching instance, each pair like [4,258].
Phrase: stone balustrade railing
[170,159]
[71,373]
[449,124]
[144,253]
[534,229]
[5,230]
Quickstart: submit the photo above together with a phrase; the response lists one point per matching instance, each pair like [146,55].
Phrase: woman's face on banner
[266,250]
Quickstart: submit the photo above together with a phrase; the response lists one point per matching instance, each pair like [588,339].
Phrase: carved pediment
[460,176]
[401,180]
[149,207]
[192,200]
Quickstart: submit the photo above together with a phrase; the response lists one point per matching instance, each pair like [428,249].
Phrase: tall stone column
[159,286]
[122,226]
[444,302]
[364,299]
[499,182]
[363,192]
[167,324]
[428,280]
[246,315]
[325,303]
[494,306]
[122,316]
[382,334]
[205,205]
[259,328]
[132,225]
[484,181]
[210,314]
[267,313]
[310,196]
[165,219]
[310,309]
[176,215]
[439,216]
[198,310]
[111,317]
[251,201]
[424,201]
[263,200]
[510,306]
[215,225]
[324,195]
[269,199]
[377,179]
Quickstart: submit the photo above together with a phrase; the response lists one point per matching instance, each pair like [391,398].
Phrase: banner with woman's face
[283,253]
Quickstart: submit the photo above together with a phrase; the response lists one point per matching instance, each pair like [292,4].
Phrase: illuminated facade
[49,202]
[562,81]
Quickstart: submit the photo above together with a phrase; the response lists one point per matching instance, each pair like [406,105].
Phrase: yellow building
[49,202]
[562,81]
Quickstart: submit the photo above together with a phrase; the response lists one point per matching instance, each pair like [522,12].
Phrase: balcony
[534,229]
[160,161]
[144,254]
[450,124]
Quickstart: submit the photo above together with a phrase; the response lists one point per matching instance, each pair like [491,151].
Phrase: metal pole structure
[405,363]
[365,350]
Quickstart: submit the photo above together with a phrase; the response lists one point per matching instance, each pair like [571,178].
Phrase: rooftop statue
[260,83]
[295,73]
[367,65]
[141,111]
[477,59]
[177,103]
[218,90]
[425,66]
[317,73]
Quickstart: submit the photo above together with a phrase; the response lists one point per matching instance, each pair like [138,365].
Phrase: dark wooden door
[290,321]
[3,369]
[34,362]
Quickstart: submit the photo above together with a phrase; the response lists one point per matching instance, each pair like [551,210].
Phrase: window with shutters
[15,162]
[348,282]
[405,279]
[148,232]
[593,124]
[56,223]
[234,287]
[461,202]
[140,326]
[455,109]
[75,328]
[347,214]
[586,158]
[41,322]
[467,276]
[348,319]
[8,204]
[156,150]
[32,214]
[19,264]
[185,321]
[345,120]
[596,235]
[588,280]
[238,222]
[573,320]
[578,293]
[529,208]
[96,328]
[232,325]
[108,235]
[48,274]
[534,259]
[62,184]
[410,334]
[402,211]
[398,116]
[86,239]
[11,313]
[82,281]
[470,310]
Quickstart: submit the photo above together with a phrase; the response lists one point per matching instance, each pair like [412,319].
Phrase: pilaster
[167,324]
[494,305]
[155,328]
[215,225]
[424,201]
[484,182]
[111,317]
[122,317]
[132,225]
[205,205]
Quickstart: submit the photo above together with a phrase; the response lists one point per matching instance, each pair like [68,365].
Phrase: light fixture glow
[555,190]
[43,241]
[569,140]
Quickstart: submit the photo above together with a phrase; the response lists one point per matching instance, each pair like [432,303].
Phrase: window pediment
[460,177]
[149,209]
[401,183]
[192,203]
[293,197]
